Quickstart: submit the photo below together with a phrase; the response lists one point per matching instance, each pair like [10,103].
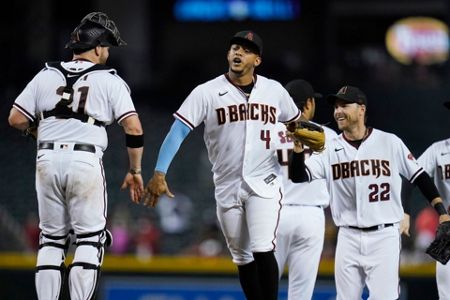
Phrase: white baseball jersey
[364,183]
[301,230]
[70,179]
[238,132]
[313,193]
[436,161]
[102,93]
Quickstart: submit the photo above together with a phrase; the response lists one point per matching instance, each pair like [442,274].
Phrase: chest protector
[63,109]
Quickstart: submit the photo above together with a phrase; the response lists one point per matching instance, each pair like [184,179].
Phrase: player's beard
[344,124]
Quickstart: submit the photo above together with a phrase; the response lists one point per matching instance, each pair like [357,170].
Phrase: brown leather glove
[308,134]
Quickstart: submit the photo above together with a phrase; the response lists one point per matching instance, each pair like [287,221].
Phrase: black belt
[294,204]
[76,147]
[372,228]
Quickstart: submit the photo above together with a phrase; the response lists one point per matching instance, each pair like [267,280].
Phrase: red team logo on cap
[343,90]
[249,36]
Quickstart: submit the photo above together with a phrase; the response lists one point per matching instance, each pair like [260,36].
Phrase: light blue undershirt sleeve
[178,132]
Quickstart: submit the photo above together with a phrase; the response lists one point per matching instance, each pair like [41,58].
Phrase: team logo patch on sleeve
[270,178]
[411,157]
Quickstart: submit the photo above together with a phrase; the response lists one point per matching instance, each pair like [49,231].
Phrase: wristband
[440,208]
[135,171]
[134,141]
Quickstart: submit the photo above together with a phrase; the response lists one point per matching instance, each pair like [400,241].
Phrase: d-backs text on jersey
[444,172]
[247,111]
[365,167]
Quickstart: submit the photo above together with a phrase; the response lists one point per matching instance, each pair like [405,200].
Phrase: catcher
[74,101]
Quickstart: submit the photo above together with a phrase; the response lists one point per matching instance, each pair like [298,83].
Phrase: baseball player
[240,111]
[73,101]
[362,168]
[301,231]
[436,161]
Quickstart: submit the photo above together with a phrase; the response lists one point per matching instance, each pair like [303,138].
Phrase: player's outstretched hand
[404,225]
[156,186]
[136,185]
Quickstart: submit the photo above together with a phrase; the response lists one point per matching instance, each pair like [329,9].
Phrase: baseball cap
[447,104]
[348,94]
[300,90]
[248,38]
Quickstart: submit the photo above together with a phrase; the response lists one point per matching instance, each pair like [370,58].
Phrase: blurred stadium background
[176,250]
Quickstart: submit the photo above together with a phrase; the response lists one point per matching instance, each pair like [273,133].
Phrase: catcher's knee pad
[85,268]
[50,268]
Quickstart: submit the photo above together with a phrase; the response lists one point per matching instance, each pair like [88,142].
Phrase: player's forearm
[297,168]
[134,140]
[17,120]
[178,132]
[135,159]
[132,126]
[427,187]
[430,192]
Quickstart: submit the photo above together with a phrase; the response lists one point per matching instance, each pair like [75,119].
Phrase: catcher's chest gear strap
[62,109]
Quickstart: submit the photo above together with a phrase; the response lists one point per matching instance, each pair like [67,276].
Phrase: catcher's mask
[95,29]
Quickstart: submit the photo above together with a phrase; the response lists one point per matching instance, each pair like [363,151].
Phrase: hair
[301,105]
[365,113]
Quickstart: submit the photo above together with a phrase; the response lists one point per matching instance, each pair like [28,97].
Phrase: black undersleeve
[297,168]
[426,186]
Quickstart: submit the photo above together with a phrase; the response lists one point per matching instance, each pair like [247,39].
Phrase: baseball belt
[76,147]
[372,228]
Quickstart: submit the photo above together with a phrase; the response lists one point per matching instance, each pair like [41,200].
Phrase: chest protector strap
[63,110]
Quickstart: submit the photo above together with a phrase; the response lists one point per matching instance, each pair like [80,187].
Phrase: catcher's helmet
[95,29]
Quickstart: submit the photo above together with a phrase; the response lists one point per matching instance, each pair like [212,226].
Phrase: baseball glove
[307,133]
[439,249]
[31,131]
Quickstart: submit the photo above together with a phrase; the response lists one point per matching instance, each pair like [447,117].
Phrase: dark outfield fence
[189,278]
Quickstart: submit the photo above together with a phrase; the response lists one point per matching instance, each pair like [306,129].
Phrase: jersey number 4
[381,192]
[265,137]
[283,157]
